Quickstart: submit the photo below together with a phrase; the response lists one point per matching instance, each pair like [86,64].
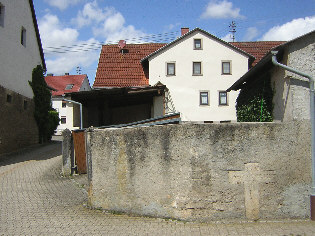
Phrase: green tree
[46,117]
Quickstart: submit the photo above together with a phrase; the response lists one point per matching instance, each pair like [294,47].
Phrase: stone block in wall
[203,172]
[67,152]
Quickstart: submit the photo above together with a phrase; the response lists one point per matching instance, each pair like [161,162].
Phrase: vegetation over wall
[254,103]
[46,117]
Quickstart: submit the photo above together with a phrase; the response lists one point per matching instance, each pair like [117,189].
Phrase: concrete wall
[292,94]
[17,60]
[18,127]
[185,88]
[203,171]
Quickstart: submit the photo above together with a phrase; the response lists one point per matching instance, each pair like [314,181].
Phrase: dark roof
[118,68]
[265,63]
[204,32]
[258,49]
[59,83]
[37,35]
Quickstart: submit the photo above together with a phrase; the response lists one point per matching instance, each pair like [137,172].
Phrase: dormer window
[1,15]
[197,44]
[69,86]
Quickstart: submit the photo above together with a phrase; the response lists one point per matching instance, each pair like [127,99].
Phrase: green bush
[45,115]
[254,103]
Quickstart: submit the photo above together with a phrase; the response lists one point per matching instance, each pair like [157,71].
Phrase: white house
[197,68]
[69,112]
[20,52]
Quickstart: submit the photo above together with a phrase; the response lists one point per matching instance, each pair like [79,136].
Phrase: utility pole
[233,30]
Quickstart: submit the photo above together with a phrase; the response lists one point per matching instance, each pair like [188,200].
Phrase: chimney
[184,31]
[50,74]
[66,73]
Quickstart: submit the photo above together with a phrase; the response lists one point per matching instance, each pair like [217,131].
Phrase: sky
[72,31]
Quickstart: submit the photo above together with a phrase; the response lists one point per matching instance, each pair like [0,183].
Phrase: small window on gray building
[197,44]
[23,36]
[170,68]
[223,98]
[25,105]
[69,86]
[226,68]
[2,15]
[9,98]
[63,120]
[197,68]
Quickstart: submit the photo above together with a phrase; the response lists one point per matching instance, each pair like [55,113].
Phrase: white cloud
[221,10]
[290,30]
[228,38]
[56,38]
[106,23]
[251,33]
[62,4]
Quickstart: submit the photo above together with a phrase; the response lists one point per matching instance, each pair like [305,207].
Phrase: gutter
[312,110]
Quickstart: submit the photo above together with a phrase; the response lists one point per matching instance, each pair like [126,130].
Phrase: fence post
[67,149]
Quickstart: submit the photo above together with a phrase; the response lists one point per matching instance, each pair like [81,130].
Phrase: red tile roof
[258,49]
[60,82]
[116,69]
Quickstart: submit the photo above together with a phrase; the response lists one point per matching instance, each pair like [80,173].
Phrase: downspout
[311,79]
[81,120]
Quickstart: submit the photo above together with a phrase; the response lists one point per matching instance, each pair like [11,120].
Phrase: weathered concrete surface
[203,171]
[67,152]
[36,200]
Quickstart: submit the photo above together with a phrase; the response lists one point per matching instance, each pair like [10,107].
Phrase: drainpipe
[311,79]
[81,120]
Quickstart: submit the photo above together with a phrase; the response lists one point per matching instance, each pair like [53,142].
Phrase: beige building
[197,68]
[20,52]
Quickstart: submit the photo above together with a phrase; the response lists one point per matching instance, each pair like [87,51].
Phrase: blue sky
[72,31]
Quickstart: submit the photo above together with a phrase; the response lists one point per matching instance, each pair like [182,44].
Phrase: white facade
[17,58]
[186,89]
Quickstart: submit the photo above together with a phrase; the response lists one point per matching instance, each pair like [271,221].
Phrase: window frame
[200,98]
[200,48]
[227,98]
[63,104]
[23,36]
[230,67]
[63,120]
[69,86]
[193,72]
[167,68]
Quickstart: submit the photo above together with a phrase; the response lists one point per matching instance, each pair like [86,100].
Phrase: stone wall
[202,172]
[18,127]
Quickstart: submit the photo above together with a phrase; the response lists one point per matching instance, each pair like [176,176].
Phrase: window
[226,67]
[25,105]
[223,98]
[196,68]
[170,70]
[197,44]
[63,120]
[9,98]
[69,86]
[204,98]
[64,104]
[23,36]
[1,15]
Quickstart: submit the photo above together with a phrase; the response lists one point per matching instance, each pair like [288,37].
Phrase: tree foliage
[46,117]
[254,102]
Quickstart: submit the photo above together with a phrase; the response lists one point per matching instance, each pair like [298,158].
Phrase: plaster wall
[292,94]
[17,60]
[202,172]
[185,88]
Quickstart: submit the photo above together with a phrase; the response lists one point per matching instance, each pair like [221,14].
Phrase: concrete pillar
[67,152]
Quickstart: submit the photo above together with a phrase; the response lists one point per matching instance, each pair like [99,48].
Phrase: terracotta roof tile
[116,69]
[60,82]
[258,49]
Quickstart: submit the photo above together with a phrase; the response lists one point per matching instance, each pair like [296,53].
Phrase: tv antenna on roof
[78,70]
[233,30]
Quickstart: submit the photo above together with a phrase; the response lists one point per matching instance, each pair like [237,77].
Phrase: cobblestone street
[36,200]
